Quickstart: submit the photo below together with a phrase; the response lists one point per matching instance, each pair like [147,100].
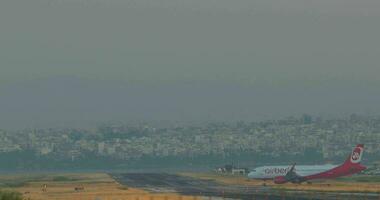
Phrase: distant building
[231,169]
[307,119]
[101,148]
[240,171]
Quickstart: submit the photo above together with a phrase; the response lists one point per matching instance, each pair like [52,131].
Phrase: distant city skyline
[300,139]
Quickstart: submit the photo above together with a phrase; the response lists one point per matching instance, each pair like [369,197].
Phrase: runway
[164,182]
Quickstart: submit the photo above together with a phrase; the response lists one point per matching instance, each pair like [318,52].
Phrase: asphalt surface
[163,182]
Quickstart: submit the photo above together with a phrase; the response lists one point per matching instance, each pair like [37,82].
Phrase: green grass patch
[20,181]
[8,195]
[14,184]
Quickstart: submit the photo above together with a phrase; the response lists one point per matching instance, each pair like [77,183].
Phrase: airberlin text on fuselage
[276,170]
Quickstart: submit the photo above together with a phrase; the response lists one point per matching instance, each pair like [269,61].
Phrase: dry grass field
[346,185]
[78,187]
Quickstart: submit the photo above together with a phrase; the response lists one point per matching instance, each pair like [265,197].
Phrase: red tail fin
[356,155]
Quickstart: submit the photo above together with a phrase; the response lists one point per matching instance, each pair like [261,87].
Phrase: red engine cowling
[280,180]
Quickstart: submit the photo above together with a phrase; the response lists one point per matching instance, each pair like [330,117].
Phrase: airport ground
[183,186]
[359,184]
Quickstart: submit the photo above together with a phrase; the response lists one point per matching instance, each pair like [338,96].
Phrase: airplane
[302,173]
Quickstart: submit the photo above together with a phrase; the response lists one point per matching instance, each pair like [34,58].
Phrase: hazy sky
[65,61]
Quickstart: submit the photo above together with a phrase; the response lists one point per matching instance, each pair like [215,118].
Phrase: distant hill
[78,102]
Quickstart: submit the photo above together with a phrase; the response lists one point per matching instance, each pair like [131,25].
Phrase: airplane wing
[291,176]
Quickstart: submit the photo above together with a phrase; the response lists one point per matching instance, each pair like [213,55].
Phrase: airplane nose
[251,175]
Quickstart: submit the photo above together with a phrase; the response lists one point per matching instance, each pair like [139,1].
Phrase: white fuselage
[270,172]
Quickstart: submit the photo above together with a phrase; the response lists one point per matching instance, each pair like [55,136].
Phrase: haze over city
[70,63]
